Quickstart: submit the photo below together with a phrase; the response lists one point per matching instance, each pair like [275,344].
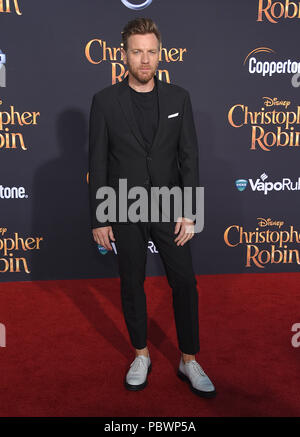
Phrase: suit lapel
[126,105]
[162,111]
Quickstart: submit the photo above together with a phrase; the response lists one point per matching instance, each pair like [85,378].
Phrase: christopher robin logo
[98,51]
[273,11]
[15,120]
[9,6]
[274,126]
[12,247]
[268,243]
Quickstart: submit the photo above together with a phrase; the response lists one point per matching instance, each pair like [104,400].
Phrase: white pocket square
[173,115]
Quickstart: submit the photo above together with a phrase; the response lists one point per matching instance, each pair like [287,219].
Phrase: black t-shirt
[145,108]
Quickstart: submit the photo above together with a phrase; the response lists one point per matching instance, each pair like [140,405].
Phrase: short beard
[140,78]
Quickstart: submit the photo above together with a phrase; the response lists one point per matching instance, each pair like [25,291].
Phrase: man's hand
[102,236]
[187,230]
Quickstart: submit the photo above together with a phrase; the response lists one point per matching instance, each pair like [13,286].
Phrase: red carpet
[68,349]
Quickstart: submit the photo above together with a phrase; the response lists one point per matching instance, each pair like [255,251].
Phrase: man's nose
[145,59]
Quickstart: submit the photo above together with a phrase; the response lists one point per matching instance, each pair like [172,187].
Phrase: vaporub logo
[136,7]
[104,251]
[2,69]
[241,184]
[261,184]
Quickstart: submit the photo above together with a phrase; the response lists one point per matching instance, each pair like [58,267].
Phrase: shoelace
[198,368]
[136,364]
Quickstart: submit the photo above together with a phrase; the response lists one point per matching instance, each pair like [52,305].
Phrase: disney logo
[262,222]
[275,102]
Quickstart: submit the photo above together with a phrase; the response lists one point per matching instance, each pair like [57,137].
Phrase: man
[142,130]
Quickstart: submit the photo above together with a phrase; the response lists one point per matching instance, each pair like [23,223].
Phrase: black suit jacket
[117,149]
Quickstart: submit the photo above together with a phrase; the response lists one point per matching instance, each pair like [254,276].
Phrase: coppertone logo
[273,11]
[263,185]
[13,193]
[268,243]
[136,7]
[269,68]
[8,6]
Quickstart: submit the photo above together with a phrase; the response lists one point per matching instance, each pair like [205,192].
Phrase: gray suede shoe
[199,382]
[136,378]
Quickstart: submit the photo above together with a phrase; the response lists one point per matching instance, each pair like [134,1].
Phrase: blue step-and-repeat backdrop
[240,62]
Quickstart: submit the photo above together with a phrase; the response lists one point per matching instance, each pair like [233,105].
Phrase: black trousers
[132,245]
